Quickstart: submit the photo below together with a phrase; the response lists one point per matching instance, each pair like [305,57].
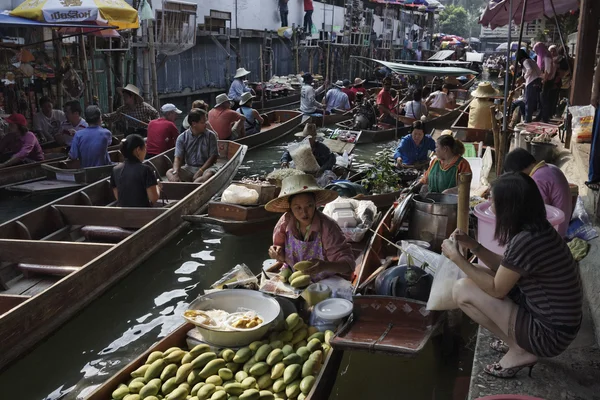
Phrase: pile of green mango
[284,366]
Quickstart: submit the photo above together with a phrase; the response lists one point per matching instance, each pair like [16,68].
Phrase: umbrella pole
[505,113]
[514,81]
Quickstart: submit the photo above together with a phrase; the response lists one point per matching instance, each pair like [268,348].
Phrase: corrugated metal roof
[441,55]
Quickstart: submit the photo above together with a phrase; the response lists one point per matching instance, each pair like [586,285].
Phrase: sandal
[499,345]
[506,373]
[594,186]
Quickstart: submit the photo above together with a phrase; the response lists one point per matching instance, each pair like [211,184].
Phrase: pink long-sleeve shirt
[555,191]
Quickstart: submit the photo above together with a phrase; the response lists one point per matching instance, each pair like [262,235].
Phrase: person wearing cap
[47,122]
[304,233]
[238,88]
[72,124]
[413,150]
[347,88]
[387,105]
[228,124]
[358,87]
[253,121]
[162,132]
[134,106]
[90,145]
[19,145]
[480,113]
[336,99]
[196,151]
[308,103]
[325,158]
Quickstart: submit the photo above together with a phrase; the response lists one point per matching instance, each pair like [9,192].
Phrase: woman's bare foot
[516,357]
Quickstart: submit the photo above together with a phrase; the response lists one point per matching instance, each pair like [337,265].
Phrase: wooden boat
[332,119]
[465,134]
[290,100]
[385,324]
[36,298]
[280,124]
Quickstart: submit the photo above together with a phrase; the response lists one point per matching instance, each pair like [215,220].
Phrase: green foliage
[454,20]
[381,176]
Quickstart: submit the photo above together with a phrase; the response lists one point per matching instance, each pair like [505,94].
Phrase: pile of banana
[283,367]
[298,279]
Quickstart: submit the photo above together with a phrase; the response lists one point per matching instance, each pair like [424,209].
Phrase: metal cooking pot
[433,218]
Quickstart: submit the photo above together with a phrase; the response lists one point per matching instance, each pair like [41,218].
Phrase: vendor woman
[442,175]
[305,234]
[413,150]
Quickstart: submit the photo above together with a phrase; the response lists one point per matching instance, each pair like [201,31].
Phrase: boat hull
[290,121]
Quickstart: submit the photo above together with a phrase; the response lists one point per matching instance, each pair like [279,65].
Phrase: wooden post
[464,196]
[84,70]
[59,68]
[585,55]
[497,141]
[94,81]
[109,80]
[262,76]
[152,57]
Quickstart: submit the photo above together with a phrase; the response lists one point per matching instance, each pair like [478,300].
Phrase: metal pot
[433,218]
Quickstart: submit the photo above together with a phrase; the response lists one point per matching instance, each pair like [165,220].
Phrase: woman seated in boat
[19,145]
[325,158]
[413,150]
[253,120]
[305,234]
[531,297]
[442,175]
[202,105]
[134,183]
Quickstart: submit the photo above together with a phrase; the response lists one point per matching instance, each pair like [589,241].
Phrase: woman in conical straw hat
[305,234]
[480,114]
[325,158]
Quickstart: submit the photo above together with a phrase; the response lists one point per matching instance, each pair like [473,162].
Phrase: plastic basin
[487,224]
[509,397]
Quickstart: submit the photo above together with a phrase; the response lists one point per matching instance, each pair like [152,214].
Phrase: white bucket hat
[222,98]
[241,72]
[246,97]
[299,184]
[339,84]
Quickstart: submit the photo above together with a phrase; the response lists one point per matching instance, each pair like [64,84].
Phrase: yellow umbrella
[112,12]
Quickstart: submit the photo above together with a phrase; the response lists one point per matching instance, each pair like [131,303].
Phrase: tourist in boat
[253,120]
[135,107]
[416,108]
[196,151]
[162,132]
[358,87]
[19,145]
[238,87]
[46,122]
[325,158]
[201,104]
[413,150]
[533,83]
[134,183]
[71,124]
[305,234]
[551,182]
[336,99]
[349,92]
[442,175]
[480,113]
[227,124]
[90,145]
[531,297]
[308,103]
[387,105]
[440,98]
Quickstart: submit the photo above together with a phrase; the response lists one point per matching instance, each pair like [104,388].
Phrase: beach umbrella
[105,12]
[498,13]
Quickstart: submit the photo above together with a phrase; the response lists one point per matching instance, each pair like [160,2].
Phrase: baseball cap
[17,119]
[170,107]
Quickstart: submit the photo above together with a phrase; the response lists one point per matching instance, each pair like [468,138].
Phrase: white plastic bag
[446,276]
[583,122]
[304,159]
[242,195]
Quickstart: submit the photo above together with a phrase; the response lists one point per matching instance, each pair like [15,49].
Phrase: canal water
[148,304]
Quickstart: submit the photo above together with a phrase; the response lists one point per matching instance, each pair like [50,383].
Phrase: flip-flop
[594,186]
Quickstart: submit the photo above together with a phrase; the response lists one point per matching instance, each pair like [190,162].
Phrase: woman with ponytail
[442,175]
[134,183]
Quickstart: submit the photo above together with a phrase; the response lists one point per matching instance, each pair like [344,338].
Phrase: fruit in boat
[303,265]
[301,281]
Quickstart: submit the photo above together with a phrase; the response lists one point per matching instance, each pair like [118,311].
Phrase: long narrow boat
[288,101]
[280,124]
[385,324]
[332,119]
[466,134]
[55,259]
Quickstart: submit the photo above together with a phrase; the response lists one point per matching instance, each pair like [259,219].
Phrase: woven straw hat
[246,97]
[309,130]
[222,98]
[241,72]
[358,81]
[485,90]
[299,184]
[133,89]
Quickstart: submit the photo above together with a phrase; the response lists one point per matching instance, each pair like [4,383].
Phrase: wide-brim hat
[246,97]
[241,72]
[298,184]
[222,98]
[358,81]
[310,129]
[339,84]
[134,90]
[485,90]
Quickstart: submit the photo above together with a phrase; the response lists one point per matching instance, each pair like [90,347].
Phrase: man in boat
[480,114]
[413,150]
[228,124]
[90,145]
[349,92]
[550,180]
[305,234]
[325,158]
[196,151]
[358,87]
[440,98]
[162,132]
[72,124]
[387,105]
[308,103]
[135,114]
[253,120]
[19,145]
[238,87]
[336,99]
[46,122]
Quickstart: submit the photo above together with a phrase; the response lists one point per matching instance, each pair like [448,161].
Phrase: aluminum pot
[433,218]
